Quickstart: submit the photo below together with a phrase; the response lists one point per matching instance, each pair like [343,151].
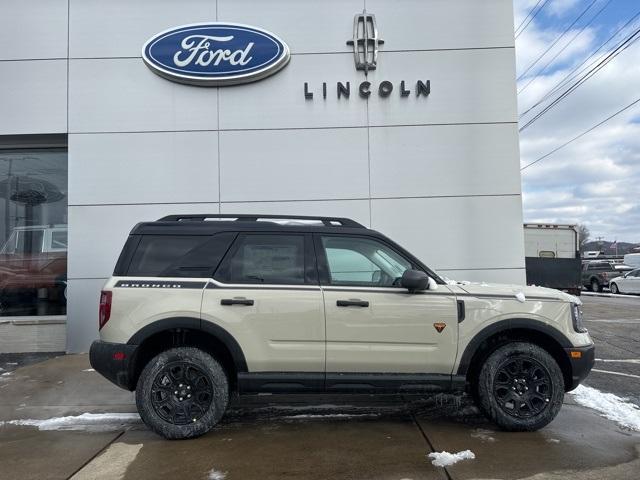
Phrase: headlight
[576,317]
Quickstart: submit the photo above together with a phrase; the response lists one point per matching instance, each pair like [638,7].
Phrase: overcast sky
[596,179]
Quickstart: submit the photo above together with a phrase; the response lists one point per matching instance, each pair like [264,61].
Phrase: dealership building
[400,115]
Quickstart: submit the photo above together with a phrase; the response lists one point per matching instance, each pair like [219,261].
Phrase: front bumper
[115,362]
[581,360]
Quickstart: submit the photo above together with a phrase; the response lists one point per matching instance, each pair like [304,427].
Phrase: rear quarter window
[179,255]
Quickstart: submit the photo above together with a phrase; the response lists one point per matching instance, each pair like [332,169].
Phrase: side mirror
[414,280]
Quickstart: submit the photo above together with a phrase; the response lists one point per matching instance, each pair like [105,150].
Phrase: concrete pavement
[317,437]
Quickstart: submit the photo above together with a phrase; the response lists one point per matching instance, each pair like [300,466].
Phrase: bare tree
[583,234]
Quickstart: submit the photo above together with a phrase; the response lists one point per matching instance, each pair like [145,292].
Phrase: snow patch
[217,475]
[88,370]
[85,421]
[553,440]
[6,374]
[432,284]
[611,406]
[625,360]
[520,297]
[444,459]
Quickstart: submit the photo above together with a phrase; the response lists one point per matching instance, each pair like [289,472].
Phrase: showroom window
[33,231]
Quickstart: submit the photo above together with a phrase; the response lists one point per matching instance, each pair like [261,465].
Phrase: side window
[264,258]
[360,261]
[179,255]
[59,240]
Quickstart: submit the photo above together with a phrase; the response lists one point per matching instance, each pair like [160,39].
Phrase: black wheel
[614,288]
[182,393]
[595,286]
[520,387]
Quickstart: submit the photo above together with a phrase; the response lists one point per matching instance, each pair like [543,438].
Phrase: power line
[531,19]
[528,15]
[570,76]
[630,40]
[581,135]
[557,40]
[546,65]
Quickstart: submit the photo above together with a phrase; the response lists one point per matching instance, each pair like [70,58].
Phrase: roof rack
[326,221]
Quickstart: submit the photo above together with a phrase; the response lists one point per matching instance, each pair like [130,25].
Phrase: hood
[515,291]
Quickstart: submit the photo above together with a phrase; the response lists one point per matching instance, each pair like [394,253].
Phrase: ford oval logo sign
[215,54]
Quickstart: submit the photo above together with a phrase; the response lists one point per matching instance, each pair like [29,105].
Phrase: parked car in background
[627,283]
[596,275]
[33,271]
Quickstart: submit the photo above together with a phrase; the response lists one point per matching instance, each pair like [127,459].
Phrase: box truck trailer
[552,256]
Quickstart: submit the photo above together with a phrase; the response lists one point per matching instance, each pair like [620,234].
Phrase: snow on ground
[216,475]
[611,406]
[88,370]
[85,421]
[444,459]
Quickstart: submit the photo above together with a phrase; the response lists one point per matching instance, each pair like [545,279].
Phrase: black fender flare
[503,326]
[192,323]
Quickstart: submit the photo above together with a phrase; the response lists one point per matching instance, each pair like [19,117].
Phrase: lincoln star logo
[365,41]
[439,326]
[215,54]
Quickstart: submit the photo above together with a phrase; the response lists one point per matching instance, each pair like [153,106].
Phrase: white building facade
[436,169]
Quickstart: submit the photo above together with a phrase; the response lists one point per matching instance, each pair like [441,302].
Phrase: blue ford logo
[215,54]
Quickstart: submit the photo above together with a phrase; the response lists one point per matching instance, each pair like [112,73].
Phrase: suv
[203,306]
[596,275]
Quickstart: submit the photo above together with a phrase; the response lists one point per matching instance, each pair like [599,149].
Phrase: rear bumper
[114,361]
[582,365]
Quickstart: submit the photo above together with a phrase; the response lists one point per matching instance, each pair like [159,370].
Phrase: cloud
[596,179]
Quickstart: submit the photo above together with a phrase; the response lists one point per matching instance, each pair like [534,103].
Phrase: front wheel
[182,393]
[614,289]
[520,387]
[595,286]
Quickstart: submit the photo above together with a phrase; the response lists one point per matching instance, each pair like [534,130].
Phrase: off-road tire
[212,372]
[614,288]
[486,386]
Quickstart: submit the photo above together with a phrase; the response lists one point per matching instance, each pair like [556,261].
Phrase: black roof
[200,224]
[206,224]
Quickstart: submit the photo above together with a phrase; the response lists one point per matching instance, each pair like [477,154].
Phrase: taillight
[105,309]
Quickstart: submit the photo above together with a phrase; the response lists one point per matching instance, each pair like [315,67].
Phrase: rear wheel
[595,286]
[614,288]
[520,387]
[182,393]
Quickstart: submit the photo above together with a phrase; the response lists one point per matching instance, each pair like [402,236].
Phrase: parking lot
[320,437]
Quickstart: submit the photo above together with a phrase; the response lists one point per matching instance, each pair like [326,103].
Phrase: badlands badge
[439,326]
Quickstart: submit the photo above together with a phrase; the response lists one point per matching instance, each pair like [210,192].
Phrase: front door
[373,324]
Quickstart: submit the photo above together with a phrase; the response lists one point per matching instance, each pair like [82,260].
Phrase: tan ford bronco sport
[204,306]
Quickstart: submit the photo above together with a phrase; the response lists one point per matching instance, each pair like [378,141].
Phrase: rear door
[373,324]
[265,293]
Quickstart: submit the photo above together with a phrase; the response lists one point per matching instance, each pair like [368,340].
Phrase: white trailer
[552,256]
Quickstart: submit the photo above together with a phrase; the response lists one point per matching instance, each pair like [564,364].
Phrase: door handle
[352,303]
[236,301]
